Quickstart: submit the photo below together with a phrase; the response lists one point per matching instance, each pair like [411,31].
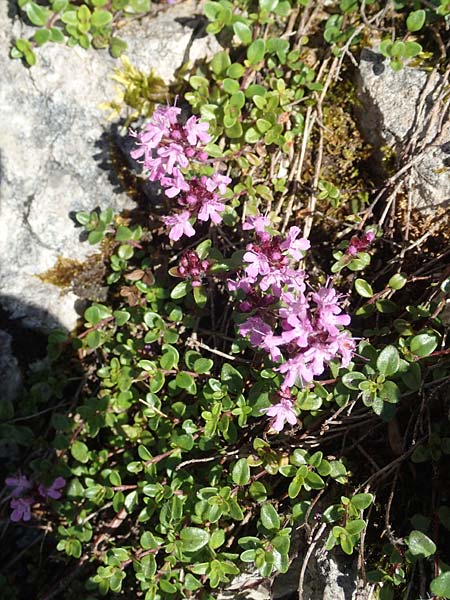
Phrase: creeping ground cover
[267,376]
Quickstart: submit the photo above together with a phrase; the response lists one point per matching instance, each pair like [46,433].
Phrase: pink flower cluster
[299,328]
[359,244]
[166,148]
[192,268]
[22,495]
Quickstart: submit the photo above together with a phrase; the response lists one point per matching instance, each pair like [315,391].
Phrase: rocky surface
[53,146]
[329,576]
[406,110]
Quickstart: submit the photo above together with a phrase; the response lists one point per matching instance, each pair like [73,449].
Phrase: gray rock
[53,145]
[404,110]
[329,576]
[247,586]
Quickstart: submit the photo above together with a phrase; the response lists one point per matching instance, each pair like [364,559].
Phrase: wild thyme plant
[231,393]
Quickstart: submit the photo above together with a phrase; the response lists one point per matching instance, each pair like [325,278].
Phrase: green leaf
[220,62]
[388,361]
[56,35]
[95,237]
[117,47]
[241,472]
[411,49]
[69,17]
[390,392]
[420,454]
[412,377]
[38,15]
[193,538]
[256,51]
[353,379]
[252,135]
[203,365]
[263,125]
[243,32]
[93,315]
[423,344]
[397,281]
[170,358]
[138,6]
[295,486]
[362,501]
[237,100]
[217,539]
[269,517]
[441,585]
[314,481]
[235,511]
[80,451]
[148,541]
[185,381]
[268,5]
[231,86]
[416,20]
[59,5]
[200,296]
[355,527]
[100,17]
[94,339]
[16,53]
[363,288]
[420,545]
[180,290]
[42,36]
[131,501]
[235,70]
[232,378]
[346,543]
[30,57]
[124,234]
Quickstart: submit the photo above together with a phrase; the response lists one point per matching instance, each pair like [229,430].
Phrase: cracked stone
[399,105]
[54,146]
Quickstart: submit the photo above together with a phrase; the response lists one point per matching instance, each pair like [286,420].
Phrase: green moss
[83,278]
[137,92]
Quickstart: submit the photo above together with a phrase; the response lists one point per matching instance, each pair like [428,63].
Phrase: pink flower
[262,336]
[295,247]
[259,224]
[196,131]
[20,485]
[359,244]
[174,184]
[256,328]
[210,210]
[281,413]
[166,115]
[258,263]
[295,368]
[217,181]
[173,154]
[329,316]
[346,347]
[21,509]
[179,225]
[53,490]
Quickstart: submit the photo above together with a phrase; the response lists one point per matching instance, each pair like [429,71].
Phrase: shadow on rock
[125,175]
[41,379]
[376,59]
